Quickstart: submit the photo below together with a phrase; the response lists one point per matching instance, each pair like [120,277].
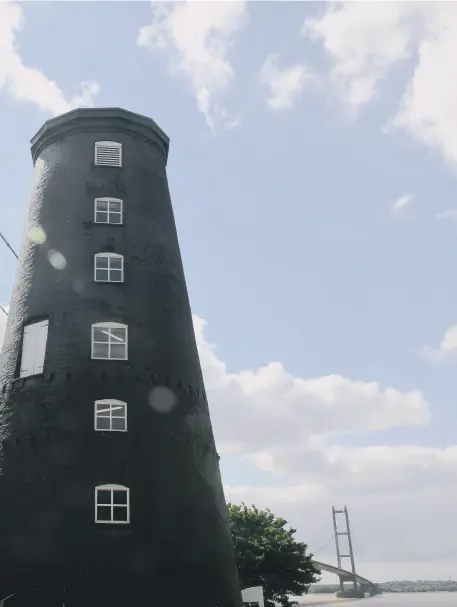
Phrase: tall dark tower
[110,490]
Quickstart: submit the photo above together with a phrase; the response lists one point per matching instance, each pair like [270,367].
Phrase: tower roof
[99,119]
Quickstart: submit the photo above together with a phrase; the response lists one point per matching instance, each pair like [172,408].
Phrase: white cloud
[292,494]
[448,214]
[427,109]
[447,348]
[365,40]
[354,35]
[300,431]
[401,203]
[198,36]
[361,471]
[285,84]
[26,83]
[284,408]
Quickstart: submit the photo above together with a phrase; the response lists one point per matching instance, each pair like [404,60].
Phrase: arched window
[108,153]
[109,341]
[112,504]
[108,210]
[108,267]
[110,415]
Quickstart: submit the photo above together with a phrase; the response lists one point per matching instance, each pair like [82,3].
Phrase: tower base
[112,593]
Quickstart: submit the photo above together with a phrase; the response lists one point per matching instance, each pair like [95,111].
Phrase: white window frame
[109,199]
[100,145]
[110,404]
[109,256]
[34,342]
[107,326]
[112,488]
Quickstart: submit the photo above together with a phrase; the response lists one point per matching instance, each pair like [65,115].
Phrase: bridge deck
[345,572]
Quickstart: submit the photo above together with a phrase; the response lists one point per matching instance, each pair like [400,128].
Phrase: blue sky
[313,175]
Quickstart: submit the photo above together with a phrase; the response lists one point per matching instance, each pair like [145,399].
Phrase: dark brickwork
[177,548]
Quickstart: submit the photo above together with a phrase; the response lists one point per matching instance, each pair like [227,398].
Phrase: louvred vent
[108,153]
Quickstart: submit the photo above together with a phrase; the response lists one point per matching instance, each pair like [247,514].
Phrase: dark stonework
[177,548]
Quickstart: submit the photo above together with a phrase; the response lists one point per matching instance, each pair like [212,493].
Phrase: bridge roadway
[344,572]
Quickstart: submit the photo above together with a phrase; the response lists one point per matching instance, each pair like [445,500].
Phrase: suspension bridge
[361,586]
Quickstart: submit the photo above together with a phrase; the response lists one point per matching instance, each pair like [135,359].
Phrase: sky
[312,168]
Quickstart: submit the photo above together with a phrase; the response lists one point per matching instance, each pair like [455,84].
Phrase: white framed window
[34,339]
[108,153]
[112,504]
[110,415]
[108,267]
[109,341]
[108,210]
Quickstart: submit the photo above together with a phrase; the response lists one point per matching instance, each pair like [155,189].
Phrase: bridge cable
[318,535]
[326,544]
[361,553]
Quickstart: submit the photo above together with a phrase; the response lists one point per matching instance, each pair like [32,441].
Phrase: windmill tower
[110,490]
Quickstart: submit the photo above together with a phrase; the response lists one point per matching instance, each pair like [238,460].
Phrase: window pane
[116,263]
[118,410]
[115,276]
[118,423]
[119,497]
[115,206]
[117,335]
[101,275]
[118,351]
[103,423]
[103,410]
[115,218]
[103,513]
[101,262]
[102,205]
[101,334]
[101,351]
[101,217]
[103,496]
[120,514]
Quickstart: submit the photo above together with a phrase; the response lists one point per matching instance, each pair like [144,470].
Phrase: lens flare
[57,260]
[37,235]
[162,399]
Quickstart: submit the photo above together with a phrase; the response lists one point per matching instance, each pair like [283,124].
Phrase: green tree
[268,555]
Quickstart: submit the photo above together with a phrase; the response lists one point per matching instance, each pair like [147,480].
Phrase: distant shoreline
[395,587]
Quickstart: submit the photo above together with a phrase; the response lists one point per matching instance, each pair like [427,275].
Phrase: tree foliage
[268,555]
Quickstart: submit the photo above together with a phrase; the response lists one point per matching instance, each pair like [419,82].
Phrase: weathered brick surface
[177,547]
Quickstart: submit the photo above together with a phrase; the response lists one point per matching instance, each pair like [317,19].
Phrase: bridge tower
[344,531]
[110,486]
